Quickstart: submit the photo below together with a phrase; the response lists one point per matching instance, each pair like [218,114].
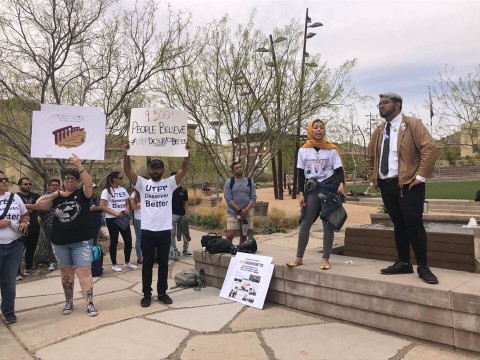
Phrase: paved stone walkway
[198,325]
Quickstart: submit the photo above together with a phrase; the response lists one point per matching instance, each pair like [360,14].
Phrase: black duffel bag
[206,238]
[218,245]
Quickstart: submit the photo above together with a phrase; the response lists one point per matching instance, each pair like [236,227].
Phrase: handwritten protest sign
[158,132]
[60,130]
[248,278]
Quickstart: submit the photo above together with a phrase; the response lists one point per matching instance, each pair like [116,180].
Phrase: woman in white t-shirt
[320,171]
[114,201]
[135,204]
[11,248]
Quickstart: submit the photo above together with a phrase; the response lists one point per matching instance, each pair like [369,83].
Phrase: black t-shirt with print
[31,198]
[71,221]
[180,195]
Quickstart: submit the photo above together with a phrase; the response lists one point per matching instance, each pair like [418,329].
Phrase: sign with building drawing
[248,278]
[158,132]
[60,130]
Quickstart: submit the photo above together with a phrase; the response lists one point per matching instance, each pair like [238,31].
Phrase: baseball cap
[157,163]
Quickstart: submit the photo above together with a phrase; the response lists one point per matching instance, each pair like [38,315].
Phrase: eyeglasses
[3,180]
[383,103]
[70,178]
[27,184]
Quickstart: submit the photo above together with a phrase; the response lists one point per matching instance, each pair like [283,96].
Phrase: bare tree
[457,106]
[254,105]
[84,52]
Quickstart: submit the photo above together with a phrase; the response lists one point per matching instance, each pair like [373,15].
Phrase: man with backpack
[240,196]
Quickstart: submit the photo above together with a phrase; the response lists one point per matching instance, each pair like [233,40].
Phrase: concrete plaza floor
[198,325]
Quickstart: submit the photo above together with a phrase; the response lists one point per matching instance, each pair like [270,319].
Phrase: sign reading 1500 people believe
[158,132]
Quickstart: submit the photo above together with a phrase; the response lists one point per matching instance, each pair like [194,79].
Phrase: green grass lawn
[454,190]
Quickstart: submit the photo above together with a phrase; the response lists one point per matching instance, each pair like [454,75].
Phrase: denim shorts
[78,254]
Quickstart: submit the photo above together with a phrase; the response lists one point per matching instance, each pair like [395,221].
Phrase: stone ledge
[447,313]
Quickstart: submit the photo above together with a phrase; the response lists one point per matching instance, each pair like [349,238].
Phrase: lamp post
[216,127]
[277,175]
[300,100]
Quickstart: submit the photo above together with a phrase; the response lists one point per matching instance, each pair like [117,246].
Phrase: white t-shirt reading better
[117,200]
[156,202]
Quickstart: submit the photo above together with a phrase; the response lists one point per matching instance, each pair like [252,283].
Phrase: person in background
[30,241]
[114,201]
[180,218]
[136,205]
[240,195]
[11,248]
[401,156]
[320,171]
[95,214]
[47,223]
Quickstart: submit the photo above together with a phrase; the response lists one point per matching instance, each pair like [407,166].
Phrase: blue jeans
[10,258]
[138,238]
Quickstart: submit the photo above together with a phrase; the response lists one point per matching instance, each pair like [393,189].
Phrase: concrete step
[354,290]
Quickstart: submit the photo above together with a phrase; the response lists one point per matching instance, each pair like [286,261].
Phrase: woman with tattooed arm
[72,233]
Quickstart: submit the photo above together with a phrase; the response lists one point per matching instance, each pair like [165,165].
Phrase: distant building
[470,139]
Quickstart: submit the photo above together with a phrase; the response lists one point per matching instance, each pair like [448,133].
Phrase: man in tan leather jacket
[401,156]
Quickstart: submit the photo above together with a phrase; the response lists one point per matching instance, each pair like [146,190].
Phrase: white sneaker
[116,268]
[131,266]
[52,267]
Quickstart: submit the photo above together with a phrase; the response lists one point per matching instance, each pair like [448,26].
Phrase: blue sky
[401,46]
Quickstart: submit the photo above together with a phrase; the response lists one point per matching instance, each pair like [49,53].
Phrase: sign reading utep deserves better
[158,132]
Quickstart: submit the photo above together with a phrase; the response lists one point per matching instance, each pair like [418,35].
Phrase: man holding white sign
[156,221]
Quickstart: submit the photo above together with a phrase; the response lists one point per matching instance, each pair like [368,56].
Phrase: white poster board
[60,130]
[248,278]
[158,132]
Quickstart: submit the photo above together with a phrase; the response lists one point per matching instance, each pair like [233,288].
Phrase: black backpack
[206,238]
[218,245]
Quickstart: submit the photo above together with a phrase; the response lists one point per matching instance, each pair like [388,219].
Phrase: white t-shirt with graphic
[318,165]
[15,212]
[156,202]
[117,200]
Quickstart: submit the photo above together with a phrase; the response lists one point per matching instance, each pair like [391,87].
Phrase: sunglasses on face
[3,180]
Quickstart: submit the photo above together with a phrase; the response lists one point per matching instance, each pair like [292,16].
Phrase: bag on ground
[97,263]
[187,278]
[218,246]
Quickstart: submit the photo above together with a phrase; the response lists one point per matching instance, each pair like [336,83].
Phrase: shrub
[276,221]
[194,198]
[208,217]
